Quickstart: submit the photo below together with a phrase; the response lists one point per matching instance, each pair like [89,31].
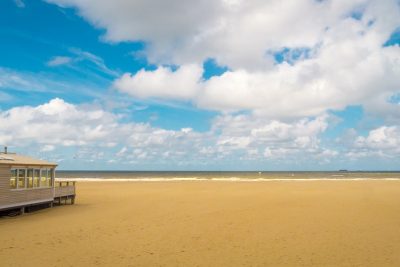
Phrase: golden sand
[208,223]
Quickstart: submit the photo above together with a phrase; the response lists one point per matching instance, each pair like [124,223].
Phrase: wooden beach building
[27,183]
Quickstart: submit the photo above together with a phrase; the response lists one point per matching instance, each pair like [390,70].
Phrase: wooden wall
[61,191]
[10,197]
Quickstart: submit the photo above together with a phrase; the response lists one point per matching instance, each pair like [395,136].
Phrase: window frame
[45,184]
[38,177]
[24,178]
[50,177]
[15,177]
[27,178]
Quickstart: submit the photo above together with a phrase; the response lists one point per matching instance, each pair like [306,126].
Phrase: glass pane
[21,178]
[50,178]
[29,178]
[36,178]
[43,180]
[13,180]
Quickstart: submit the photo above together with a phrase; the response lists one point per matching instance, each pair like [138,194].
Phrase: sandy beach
[210,223]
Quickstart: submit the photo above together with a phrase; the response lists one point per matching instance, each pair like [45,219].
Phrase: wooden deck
[64,192]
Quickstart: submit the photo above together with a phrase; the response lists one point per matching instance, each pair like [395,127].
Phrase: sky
[202,85]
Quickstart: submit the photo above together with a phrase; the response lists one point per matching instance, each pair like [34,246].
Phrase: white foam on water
[231,179]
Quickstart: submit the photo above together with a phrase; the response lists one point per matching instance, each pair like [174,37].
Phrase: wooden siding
[61,191]
[9,197]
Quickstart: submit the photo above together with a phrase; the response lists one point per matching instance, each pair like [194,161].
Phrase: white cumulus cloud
[333,53]
[96,134]
[162,83]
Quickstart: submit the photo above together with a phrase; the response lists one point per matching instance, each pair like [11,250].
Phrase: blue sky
[216,85]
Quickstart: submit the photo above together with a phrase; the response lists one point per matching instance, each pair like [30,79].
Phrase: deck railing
[64,188]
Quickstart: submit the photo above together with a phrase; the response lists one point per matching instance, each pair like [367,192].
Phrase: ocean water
[223,175]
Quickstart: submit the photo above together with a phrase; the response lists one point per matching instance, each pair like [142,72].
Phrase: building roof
[15,159]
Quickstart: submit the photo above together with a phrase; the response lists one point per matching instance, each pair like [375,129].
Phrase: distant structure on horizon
[27,184]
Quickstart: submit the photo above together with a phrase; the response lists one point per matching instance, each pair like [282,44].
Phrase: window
[21,178]
[44,177]
[50,178]
[29,178]
[13,179]
[36,178]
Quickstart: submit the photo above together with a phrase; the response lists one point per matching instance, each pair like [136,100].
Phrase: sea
[225,175]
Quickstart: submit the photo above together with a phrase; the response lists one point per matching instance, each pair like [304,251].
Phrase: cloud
[82,61]
[236,33]
[310,87]
[27,81]
[331,58]
[285,59]
[47,148]
[97,62]
[166,26]
[384,138]
[96,134]
[88,133]
[348,72]
[53,123]
[95,75]
[19,3]
[271,139]
[379,143]
[59,124]
[162,83]
[59,60]
[43,84]
[4,97]
[288,64]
